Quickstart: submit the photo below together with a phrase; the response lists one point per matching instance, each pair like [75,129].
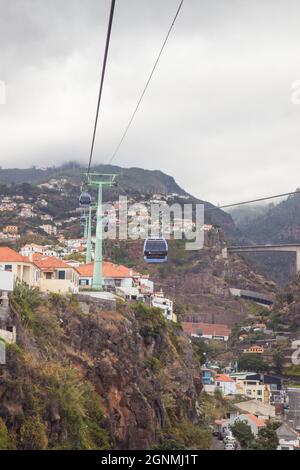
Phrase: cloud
[217,116]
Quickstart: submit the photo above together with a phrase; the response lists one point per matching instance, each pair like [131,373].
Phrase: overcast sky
[217,116]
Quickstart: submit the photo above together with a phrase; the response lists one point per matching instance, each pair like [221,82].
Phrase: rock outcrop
[141,367]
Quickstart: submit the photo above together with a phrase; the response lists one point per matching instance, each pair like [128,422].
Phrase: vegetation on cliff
[85,377]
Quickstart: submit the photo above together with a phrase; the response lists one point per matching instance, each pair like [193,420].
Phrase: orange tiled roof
[213,329]
[223,378]
[9,255]
[258,421]
[48,262]
[110,270]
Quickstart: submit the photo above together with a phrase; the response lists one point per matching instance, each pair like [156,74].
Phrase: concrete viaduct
[264,249]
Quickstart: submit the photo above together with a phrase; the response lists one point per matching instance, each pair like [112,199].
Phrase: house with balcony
[158,300]
[254,389]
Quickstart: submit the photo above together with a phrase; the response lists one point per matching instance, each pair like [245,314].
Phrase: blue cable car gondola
[85,199]
[155,250]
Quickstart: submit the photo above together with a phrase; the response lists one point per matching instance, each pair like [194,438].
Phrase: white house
[32,248]
[158,300]
[226,384]
[129,293]
[223,425]
[288,439]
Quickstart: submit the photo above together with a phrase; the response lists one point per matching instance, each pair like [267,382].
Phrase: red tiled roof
[223,378]
[258,421]
[48,262]
[221,421]
[9,255]
[110,270]
[213,329]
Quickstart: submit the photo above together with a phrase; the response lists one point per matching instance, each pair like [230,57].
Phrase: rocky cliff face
[199,281]
[140,368]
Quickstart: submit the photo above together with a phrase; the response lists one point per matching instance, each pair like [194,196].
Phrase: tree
[252,362]
[242,432]
[266,437]
[278,358]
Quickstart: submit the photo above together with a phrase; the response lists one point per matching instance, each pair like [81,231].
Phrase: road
[292,415]
[217,444]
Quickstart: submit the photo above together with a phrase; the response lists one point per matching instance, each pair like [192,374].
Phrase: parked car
[229,440]
[229,446]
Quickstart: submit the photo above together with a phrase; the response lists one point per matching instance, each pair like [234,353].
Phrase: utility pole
[101,180]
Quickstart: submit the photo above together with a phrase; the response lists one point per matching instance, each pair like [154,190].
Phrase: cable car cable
[146,86]
[109,28]
[251,201]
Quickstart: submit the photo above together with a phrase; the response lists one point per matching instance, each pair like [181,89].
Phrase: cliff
[198,281]
[84,377]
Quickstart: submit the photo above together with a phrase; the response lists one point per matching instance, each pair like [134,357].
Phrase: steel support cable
[109,28]
[146,86]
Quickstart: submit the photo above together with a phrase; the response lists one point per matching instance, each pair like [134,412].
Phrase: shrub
[151,320]
[33,434]
[266,437]
[25,299]
[4,437]
[185,435]
[252,362]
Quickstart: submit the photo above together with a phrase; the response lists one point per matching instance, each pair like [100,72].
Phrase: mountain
[198,281]
[135,182]
[245,214]
[278,224]
[267,225]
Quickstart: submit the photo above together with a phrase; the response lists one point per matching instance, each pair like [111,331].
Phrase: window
[48,275]
[61,275]
[8,267]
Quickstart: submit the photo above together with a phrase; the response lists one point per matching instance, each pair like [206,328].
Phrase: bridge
[292,248]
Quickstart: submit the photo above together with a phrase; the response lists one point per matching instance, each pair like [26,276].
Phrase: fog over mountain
[218,114]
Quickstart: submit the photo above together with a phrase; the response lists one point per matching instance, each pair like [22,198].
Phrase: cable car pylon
[100,180]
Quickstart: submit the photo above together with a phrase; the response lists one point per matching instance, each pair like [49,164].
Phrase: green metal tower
[101,180]
[88,257]
[85,224]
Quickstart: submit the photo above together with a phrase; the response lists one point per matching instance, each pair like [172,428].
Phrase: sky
[218,115]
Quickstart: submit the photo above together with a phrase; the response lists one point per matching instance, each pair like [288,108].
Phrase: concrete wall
[90,304]
[8,336]
[62,286]
[6,281]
